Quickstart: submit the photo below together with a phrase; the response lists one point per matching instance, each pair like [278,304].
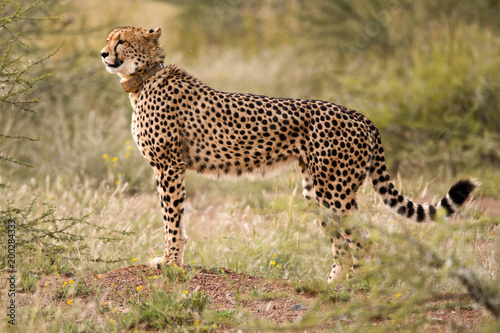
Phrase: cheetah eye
[120,42]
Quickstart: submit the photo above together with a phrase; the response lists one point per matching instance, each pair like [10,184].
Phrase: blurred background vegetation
[426,73]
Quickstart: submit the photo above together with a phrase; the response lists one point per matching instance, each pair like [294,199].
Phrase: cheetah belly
[239,159]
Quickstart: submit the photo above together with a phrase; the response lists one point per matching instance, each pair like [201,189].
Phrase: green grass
[166,311]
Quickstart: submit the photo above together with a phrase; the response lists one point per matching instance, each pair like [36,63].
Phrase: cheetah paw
[157,262]
[163,261]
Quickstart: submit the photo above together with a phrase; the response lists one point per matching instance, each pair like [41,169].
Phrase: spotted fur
[180,124]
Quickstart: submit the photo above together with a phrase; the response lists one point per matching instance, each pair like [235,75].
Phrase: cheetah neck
[135,81]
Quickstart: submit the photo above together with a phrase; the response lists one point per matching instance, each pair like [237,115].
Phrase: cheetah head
[132,50]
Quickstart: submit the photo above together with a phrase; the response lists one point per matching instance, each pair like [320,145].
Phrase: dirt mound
[231,292]
[267,299]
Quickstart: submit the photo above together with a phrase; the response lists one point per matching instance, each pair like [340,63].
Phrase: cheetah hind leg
[348,246]
[330,225]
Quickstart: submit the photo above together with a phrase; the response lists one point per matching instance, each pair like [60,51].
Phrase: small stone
[298,307]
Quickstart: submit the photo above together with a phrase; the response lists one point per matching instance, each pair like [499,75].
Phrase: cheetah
[180,124]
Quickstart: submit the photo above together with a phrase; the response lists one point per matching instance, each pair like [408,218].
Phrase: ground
[264,299]
[256,262]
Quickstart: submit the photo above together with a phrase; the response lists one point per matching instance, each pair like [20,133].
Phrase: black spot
[420,213]
[411,210]
[432,212]
[402,210]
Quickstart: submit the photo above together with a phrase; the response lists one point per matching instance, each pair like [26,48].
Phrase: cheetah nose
[104,54]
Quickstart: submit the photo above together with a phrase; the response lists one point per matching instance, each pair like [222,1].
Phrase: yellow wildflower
[398,295]
[273,263]
[71,281]
[114,159]
[70,301]
[186,292]
[139,288]
[155,276]
[105,156]
[134,259]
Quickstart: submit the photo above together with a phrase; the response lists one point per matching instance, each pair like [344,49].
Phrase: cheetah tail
[456,197]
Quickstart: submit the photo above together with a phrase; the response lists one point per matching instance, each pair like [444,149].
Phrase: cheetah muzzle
[180,124]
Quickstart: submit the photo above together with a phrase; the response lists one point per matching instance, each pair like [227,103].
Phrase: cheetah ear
[154,33]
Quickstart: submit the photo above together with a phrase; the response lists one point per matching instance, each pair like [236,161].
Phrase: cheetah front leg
[170,183]
[307,182]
